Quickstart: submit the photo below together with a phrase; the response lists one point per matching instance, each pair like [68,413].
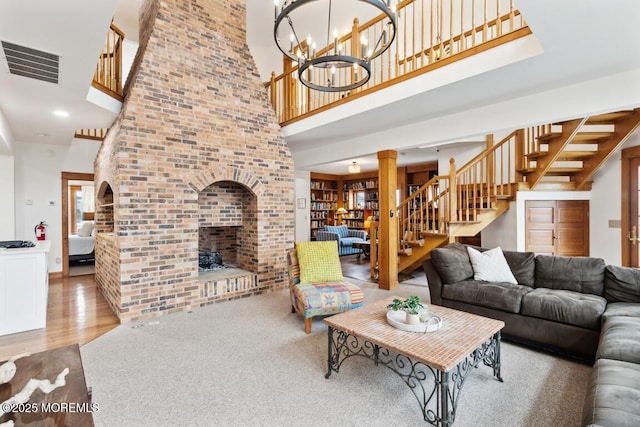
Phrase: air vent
[32,63]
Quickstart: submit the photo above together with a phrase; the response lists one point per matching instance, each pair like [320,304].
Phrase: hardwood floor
[76,313]
[360,269]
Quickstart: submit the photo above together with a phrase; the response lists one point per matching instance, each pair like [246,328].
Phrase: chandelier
[354,167]
[318,71]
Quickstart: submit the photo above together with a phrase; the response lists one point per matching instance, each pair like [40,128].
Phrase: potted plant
[410,306]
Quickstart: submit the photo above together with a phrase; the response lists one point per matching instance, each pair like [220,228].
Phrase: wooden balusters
[439,40]
[108,74]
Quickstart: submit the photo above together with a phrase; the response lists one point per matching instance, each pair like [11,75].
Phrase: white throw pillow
[85,229]
[490,266]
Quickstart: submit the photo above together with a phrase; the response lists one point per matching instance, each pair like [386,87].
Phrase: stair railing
[430,34]
[424,211]
[459,196]
[108,75]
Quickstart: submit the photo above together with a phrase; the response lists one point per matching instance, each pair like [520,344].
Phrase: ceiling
[581,40]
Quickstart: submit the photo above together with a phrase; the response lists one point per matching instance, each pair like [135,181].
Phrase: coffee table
[365,248]
[434,365]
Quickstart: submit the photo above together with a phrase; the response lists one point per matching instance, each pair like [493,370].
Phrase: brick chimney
[196,131]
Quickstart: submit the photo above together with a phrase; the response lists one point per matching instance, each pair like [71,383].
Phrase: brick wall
[196,114]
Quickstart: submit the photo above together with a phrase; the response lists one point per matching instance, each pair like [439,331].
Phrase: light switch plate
[615,223]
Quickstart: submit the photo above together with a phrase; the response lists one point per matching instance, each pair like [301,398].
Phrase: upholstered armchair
[345,238]
[316,284]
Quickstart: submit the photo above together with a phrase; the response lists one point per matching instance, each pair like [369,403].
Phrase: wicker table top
[461,333]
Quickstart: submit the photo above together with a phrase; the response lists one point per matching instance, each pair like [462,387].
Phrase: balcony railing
[430,34]
[108,75]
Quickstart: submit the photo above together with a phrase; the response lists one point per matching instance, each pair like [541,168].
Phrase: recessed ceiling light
[61,113]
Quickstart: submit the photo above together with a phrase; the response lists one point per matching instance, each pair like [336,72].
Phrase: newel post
[453,191]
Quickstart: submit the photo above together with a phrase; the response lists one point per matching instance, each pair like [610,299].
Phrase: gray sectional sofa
[576,306]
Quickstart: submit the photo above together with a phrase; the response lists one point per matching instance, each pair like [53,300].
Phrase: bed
[82,245]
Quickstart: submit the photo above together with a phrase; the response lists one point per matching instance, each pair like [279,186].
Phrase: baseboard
[56,275]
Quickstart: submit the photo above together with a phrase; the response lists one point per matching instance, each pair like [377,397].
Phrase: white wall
[503,231]
[7,198]
[462,152]
[38,188]
[303,191]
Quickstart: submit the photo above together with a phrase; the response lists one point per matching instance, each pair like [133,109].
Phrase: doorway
[630,218]
[557,227]
[77,217]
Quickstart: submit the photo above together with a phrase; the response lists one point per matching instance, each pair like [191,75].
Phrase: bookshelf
[324,203]
[360,198]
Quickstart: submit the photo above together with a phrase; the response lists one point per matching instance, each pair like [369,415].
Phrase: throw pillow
[490,266]
[85,229]
[452,263]
[319,262]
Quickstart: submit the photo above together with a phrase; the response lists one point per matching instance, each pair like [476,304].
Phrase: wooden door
[557,227]
[630,215]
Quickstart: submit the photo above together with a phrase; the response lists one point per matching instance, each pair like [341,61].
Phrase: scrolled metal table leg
[496,360]
[329,351]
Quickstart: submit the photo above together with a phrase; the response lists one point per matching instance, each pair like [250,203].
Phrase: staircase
[564,156]
[559,156]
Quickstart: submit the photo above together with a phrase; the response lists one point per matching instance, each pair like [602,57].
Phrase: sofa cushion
[613,395]
[622,284]
[629,309]
[319,261]
[349,241]
[579,274]
[500,296]
[452,263]
[620,339]
[573,308]
[522,265]
[340,230]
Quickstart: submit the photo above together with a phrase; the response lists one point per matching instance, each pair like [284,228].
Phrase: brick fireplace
[195,161]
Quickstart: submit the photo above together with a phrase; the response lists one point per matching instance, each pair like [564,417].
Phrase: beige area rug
[248,362]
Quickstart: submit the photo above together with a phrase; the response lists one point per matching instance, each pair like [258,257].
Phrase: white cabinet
[24,288]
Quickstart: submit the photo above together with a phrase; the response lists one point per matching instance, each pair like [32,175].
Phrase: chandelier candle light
[318,71]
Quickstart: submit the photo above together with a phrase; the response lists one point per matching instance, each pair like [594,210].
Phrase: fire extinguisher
[39,230]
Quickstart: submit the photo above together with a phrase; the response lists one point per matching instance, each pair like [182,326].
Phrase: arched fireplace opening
[227,230]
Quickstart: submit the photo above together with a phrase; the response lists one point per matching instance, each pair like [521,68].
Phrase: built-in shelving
[324,203]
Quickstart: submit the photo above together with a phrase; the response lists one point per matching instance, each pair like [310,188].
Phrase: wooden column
[388,231]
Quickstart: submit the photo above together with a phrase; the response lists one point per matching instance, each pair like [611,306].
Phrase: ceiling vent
[32,63]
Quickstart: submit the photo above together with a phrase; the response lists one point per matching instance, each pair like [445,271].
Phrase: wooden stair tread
[564,155]
[608,117]
[562,171]
[427,234]
[415,243]
[553,171]
[464,222]
[580,136]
